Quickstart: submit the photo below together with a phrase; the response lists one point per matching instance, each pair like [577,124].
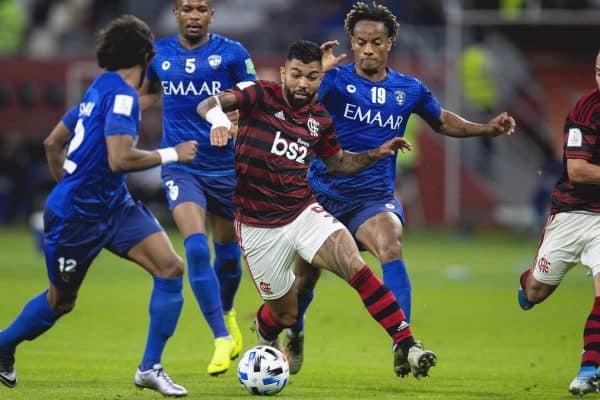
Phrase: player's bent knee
[63,305]
[390,252]
[172,268]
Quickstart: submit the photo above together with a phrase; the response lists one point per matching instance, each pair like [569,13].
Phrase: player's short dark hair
[178,3]
[125,42]
[305,51]
[374,12]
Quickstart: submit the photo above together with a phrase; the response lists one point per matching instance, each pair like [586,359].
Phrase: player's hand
[186,151]
[390,147]
[220,136]
[330,60]
[502,124]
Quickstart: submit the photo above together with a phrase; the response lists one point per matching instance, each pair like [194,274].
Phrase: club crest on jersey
[313,127]
[400,97]
[351,88]
[214,61]
[166,65]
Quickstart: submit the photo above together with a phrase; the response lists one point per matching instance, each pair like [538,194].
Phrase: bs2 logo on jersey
[295,151]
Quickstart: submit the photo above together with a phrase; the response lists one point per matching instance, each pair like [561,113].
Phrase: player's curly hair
[374,12]
[305,51]
[125,42]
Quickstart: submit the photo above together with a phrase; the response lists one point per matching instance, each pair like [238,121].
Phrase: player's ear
[282,74]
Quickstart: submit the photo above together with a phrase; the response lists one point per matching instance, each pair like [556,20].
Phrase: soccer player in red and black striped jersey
[572,233]
[281,128]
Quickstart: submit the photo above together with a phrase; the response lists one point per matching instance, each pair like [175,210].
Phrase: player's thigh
[190,218]
[139,237]
[222,229]
[560,248]
[269,254]
[69,249]
[590,256]
[325,242]
[306,275]
[186,200]
[381,234]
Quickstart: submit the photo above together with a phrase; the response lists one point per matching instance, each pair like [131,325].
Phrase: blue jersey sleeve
[428,107]
[151,74]
[122,115]
[327,84]
[70,118]
[242,68]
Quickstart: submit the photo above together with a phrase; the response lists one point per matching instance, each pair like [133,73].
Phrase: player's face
[193,18]
[597,74]
[371,45]
[301,81]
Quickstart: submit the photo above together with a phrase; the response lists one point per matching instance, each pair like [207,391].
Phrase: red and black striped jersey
[273,149]
[581,141]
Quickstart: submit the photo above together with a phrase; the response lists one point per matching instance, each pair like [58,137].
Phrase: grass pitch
[464,308]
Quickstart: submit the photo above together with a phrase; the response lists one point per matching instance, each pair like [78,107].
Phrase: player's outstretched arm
[213,110]
[454,125]
[55,146]
[346,162]
[124,157]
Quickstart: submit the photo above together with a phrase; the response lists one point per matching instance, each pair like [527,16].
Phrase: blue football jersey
[189,76]
[366,115]
[89,189]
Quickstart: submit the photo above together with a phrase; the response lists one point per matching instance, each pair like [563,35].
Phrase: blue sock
[304,300]
[165,306]
[36,318]
[204,282]
[229,271]
[395,277]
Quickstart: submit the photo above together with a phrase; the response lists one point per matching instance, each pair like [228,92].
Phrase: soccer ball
[263,370]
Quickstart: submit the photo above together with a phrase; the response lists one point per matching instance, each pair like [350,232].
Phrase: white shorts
[569,238]
[270,252]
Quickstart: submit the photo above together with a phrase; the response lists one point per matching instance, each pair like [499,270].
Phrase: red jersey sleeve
[581,129]
[247,95]
[328,144]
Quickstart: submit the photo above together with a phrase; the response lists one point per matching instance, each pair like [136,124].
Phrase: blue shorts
[213,193]
[70,245]
[354,214]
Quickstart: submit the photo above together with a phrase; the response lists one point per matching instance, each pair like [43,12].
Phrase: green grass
[464,308]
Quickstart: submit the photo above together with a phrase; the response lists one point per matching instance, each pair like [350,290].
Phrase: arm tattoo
[346,162]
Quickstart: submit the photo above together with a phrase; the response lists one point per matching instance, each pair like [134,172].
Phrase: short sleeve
[428,107]
[70,118]
[327,84]
[242,68]
[247,95]
[579,140]
[122,115]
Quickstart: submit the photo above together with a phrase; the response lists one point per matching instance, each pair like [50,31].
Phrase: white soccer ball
[263,370]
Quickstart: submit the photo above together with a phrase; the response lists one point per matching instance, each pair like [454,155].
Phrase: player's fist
[502,124]
[219,136]
[186,151]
